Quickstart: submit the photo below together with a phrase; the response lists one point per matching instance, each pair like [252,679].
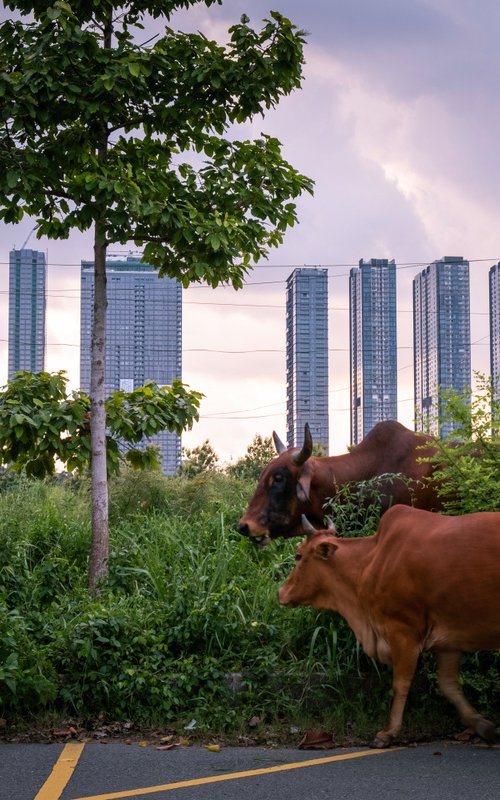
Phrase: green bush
[468,463]
[188,614]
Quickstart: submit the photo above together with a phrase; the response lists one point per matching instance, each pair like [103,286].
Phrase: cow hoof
[486,730]
[378,743]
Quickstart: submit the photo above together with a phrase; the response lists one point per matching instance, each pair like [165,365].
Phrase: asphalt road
[95,771]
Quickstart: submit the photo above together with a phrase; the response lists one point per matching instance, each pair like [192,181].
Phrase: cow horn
[330,525]
[305,453]
[309,529]
[280,447]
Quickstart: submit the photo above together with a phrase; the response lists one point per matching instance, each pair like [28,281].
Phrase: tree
[40,423]
[259,453]
[93,129]
[199,460]
[467,465]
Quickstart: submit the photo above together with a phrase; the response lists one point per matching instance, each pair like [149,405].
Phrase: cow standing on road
[423,582]
[296,483]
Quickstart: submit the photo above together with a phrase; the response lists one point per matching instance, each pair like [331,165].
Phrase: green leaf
[134,68]
[53,13]
[214,241]
[12,179]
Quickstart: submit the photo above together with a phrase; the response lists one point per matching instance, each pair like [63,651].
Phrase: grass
[189,612]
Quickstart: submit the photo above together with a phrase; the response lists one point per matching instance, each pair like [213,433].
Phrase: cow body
[423,582]
[295,483]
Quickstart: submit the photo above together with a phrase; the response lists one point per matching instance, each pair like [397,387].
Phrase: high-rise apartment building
[441,339]
[27,279]
[307,355]
[373,345]
[143,334]
[494,285]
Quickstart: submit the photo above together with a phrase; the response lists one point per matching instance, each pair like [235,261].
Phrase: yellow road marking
[61,773]
[231,776]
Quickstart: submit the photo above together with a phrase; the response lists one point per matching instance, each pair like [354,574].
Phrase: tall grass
[188,624]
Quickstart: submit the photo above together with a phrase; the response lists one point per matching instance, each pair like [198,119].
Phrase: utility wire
[338,265]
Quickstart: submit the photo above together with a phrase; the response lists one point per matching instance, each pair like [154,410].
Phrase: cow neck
[350,467]
[349,563]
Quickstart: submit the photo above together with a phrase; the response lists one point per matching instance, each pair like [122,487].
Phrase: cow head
[309,583]
[282,494]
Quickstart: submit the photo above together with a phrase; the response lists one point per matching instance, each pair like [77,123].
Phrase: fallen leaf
[166,739]
[254,722]
[168,746]
[214,748]
[3,723]
[184,742]
[317,740]
[465,736]
[142,744]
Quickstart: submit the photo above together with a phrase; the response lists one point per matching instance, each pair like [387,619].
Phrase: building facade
[27,282]
[373,345]
[143,335]
[441,339]
[494,286]
[307,355]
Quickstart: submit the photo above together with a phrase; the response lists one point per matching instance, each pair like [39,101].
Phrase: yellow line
[166,787]
[61,773]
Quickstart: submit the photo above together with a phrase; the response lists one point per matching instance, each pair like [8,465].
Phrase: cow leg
[448,669]
[405,655]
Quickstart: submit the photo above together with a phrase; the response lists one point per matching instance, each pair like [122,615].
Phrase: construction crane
[28,238]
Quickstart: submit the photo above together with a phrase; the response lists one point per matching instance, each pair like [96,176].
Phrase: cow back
[439,575]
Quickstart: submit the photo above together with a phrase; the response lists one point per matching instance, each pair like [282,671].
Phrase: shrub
[189,605]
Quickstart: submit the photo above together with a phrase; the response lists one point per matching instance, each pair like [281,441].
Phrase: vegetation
[468,463]
[198,460]
[41,424]
[188,625]
[259,453]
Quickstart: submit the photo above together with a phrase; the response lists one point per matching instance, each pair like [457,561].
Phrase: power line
[334,265]
[216,351]
[281,306]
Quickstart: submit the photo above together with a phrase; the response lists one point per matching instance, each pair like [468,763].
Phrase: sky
[398,123]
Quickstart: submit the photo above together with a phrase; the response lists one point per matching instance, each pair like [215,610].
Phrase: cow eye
[297,556]
[278,478]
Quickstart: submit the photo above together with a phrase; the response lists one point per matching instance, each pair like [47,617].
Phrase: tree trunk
[98,566]
[99,551]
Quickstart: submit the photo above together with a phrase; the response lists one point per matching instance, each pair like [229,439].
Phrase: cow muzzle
[260,538]
[284,598]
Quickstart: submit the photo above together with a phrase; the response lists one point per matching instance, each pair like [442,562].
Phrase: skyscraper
[373,347]
[494,276]
[143,334]
[307,355]
[441,340]
[27,278]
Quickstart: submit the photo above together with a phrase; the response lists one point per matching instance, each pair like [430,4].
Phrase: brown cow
[295,483]
[423,582]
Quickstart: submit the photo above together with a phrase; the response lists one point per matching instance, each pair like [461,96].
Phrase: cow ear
[325,550]
[304,484]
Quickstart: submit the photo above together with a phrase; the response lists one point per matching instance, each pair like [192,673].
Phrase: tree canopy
[40,423]
[93,126]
